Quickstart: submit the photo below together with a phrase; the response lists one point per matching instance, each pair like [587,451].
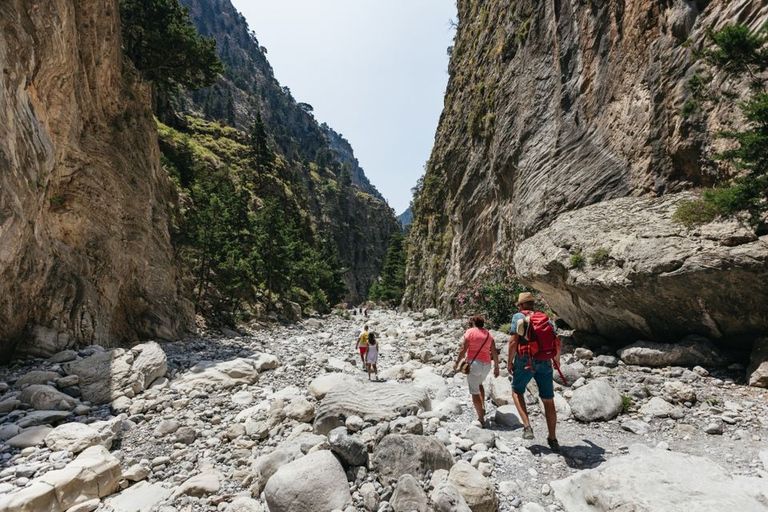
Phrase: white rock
[300,410]
[657,407]
[476,490]
[73,437]
[220,374]
[660,480]
[94,474]
[242,398]
[207,482]
[321,385]
[139,498]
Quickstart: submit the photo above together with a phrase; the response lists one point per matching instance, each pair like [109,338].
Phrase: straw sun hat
[525,297]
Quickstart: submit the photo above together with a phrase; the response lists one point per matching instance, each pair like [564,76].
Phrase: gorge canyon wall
[562,122]
[85,255]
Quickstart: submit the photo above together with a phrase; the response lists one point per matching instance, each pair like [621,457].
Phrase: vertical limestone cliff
[554,106]
[85,255]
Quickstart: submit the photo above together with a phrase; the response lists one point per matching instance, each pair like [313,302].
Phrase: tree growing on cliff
[162,43]
[740,54]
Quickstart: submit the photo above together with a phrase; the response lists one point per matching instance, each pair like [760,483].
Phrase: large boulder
[139,497]
[477,491]
[267,465]
[221,374]
[94,474]
[757,371]
[74,437]
[321,385]
[371,402]
[597,401]
[397,455]
[691,351]
[108,375]
[653,275]
[313,483]
[655,479]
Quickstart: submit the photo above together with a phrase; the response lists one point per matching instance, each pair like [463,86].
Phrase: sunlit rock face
[85,255]
[552,107]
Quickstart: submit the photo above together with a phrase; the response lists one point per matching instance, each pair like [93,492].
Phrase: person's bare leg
[478,403]
[551,414]
[522,409]
[368,367]
[482,394]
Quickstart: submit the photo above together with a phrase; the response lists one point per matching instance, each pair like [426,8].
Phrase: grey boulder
[446,498]
[313,483]
[597,401]
[397,455]
[691,351]
[350,449]
[409,496]
[757,371]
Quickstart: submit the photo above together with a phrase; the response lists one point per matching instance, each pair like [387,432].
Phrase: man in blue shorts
[524,369]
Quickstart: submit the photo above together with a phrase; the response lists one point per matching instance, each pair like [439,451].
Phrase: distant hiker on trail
[372,356]
[534,349]
[478,343]
[362,344]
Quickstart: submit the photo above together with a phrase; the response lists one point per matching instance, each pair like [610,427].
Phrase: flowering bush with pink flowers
[493,293]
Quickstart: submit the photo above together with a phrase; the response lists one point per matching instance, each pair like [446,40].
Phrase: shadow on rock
[584,456]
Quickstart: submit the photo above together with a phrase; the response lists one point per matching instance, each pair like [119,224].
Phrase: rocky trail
[285,419]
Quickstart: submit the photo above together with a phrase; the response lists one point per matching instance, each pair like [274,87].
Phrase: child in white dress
[372,356]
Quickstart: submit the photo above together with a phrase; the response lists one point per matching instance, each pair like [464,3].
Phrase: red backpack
[541,338]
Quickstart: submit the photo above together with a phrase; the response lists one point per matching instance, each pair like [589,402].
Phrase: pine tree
[391,284]
[741,54]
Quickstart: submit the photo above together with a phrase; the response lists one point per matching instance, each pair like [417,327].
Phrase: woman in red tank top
[479,348]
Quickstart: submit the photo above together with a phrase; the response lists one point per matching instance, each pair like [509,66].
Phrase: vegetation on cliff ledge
[738,54]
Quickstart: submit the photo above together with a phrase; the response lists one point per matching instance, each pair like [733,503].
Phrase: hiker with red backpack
[534,351]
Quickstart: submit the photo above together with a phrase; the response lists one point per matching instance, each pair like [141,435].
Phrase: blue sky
[374,70]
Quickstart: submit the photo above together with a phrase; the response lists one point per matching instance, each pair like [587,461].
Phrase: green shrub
[600,256]
[493,293]
[505,327]
[577,260]
[691,212]
[626,404]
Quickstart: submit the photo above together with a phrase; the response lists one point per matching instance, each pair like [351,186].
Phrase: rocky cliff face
[360,221]
[555,106]
[85,255]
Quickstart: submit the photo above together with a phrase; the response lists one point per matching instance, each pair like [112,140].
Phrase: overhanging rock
[644,276]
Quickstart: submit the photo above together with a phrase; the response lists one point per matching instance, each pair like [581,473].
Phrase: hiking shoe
[553,445]
[528,433]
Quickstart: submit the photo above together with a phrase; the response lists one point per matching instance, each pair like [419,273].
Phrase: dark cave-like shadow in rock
[583,456]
